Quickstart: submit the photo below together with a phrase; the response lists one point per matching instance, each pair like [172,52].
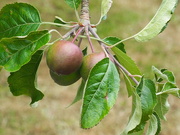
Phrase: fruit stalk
[77,34]
[110,55]
[69,33]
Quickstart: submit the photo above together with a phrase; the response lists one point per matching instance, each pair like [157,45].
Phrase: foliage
[22,46]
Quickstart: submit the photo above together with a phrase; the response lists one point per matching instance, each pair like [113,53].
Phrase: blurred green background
[52,117]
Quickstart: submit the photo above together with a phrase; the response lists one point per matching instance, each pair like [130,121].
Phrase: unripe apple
[89,61]
[65,80]
[64,57]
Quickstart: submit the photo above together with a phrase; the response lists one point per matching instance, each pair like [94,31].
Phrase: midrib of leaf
[19,15]
[27,45]
[96,90]
[18,26]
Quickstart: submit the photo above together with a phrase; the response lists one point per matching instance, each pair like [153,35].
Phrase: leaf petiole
[58,24]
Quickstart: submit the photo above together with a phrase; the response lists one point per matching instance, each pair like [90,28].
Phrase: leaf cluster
[22,46]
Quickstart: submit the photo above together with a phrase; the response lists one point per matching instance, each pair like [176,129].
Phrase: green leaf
[167,80]
[101,91]
[129,85]
[170,76]
[147,92]
[105,7]
[15,52]
[158,22]
[114,40]
[127,63]
[61,21]
[158,122]
[163,74]
[23,82]
[18,19]
[153,126]
[136,114]
[79,94]
[162,106]
[169,88]
[73,3]
[84,51]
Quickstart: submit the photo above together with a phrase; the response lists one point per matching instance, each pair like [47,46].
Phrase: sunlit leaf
[101,92]
[158,22]
[15,52]
[23,82]
[18,19]
[73,3]
[127,63]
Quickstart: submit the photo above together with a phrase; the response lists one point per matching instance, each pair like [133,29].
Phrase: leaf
[169,88]
[163,74]
[127,63]
[170,76]
[114,40]
[79,94]
[84,51]
[105,7]
[61,21]
[15,52]
[158,22]
[162,106]
[147,92]
[129,85]
[158,122]
[136,114]
[153,126]
[169,84]
[23,82]
[73,3]
[101,91]
[18,19]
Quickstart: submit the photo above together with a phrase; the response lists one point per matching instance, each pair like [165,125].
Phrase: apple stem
[90,42]
[69,33]
[111,56]
[77,34]
[80,41]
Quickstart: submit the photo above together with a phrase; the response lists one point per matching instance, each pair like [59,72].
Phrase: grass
[52,117]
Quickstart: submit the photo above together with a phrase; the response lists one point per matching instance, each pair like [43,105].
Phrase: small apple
[89,61]
[64,57]
[65,80]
